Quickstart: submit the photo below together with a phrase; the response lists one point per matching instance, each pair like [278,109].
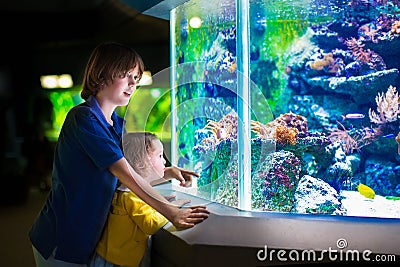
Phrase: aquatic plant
[392,198]
[387,107]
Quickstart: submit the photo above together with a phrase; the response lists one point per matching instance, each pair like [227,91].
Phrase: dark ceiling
[55,22]
[56,36]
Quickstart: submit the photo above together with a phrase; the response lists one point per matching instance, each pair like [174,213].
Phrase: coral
[301,49]
[283,129]
[291,120]
[369,32]
[286,135]
[387,107]
[320,64]
[395,27]
[225,128]
[281,173]
[227,191]
[263,131]
[327,62]
[353,140]
[358,50]
[222,54]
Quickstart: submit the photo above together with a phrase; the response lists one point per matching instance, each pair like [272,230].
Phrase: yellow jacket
[130,222]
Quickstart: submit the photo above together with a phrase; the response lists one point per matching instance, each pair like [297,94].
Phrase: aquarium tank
[289,106]
[62,101]
[149,110]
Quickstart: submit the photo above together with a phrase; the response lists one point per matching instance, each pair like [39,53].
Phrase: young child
[131,221]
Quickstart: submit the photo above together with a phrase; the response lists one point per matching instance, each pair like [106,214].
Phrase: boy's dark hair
[107,62]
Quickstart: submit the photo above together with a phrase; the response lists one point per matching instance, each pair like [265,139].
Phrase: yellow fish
[366,191]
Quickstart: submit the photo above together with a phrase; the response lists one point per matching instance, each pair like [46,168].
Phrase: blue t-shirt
[76,209]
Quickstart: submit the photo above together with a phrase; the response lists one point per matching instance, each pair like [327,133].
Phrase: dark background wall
[41,37]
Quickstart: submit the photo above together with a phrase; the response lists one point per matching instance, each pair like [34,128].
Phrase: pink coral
[388,107]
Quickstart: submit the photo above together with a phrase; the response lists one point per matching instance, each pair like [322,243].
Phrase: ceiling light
[65,81]
[56,81]
[49,81]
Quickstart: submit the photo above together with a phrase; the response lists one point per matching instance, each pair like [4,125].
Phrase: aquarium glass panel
[149,110]
[323,103]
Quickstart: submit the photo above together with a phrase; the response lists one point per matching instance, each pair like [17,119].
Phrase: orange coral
[286,135]
[321,64]
[283,129]
[395,27]
[291,120]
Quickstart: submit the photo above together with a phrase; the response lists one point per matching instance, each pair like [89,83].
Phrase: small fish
[353,116]
[392,198]
[366,191]
[388,135]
